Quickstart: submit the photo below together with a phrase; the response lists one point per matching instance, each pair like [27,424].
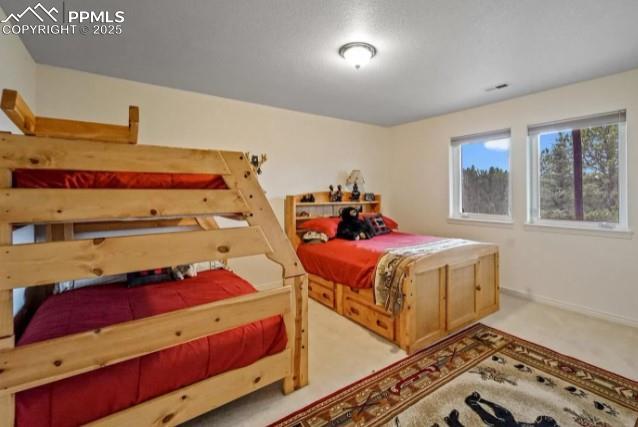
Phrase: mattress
[95,394]
[37,178]
[350,262]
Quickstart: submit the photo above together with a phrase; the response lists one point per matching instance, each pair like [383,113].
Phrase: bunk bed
[446,287]
[158,354]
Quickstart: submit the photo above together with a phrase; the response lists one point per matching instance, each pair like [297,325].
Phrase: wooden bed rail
[60,205]
[21,115]
[43,263]
[43,362]
[181,405]
[30,152]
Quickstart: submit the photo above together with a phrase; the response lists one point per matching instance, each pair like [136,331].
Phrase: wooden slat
[42,263]
[43,362]
[181,405]
[93,227]
[21,115]
[18,111]
[7,338]
[19,151]
[60,205]
[243,178]
[6,296]
[48,127]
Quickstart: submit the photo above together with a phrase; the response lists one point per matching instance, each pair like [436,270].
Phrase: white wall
[305,152]
[17,71]
[597,274]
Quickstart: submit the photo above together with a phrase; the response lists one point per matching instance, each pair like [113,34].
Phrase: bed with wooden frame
[443,292]
[56,144]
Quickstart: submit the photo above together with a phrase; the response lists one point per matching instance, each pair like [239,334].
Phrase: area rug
[480,377]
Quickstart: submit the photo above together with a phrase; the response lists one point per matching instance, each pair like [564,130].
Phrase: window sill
[585,231]
[505,223]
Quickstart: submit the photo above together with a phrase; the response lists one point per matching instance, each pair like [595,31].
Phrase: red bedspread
[352,263]
[37,178]
[89,396]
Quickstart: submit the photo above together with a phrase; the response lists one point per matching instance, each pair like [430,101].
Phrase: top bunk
[58,172]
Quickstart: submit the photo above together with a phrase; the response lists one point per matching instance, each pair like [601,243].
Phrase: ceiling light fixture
[357,54]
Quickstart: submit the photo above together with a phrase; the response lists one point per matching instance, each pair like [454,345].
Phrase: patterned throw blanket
[390,270]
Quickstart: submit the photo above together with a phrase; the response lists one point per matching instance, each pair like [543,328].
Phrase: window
[577,173]
[480,177]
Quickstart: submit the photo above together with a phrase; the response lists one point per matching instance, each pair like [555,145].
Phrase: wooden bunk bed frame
[86,146]
[443,292]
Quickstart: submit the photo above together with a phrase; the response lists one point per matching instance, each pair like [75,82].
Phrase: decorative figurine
[335,196]
[308,198]
[256,161]
[356,194]
[369,197]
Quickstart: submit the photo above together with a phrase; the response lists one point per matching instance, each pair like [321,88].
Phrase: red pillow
[326,225]
[389,222]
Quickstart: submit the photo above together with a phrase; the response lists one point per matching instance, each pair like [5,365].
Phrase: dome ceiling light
[357,54]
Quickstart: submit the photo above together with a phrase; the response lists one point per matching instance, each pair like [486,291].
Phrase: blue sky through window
[484,155]
[549,139]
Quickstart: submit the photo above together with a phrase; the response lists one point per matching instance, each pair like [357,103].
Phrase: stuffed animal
[181,272]
[351,227]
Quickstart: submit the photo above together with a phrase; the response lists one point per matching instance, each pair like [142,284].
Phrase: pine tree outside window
[480,177]
[577,173]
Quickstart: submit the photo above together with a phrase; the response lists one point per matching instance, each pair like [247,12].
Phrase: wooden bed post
[243,178]
[7,339]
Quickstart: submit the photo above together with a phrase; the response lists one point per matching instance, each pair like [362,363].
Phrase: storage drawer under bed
[371,318]
[322,291]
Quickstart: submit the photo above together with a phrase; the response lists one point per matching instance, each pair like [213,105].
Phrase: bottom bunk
[97,394]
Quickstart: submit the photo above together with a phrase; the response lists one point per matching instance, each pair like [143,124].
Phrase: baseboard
[590,312]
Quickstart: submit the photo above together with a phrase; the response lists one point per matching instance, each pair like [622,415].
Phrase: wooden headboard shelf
[321,207]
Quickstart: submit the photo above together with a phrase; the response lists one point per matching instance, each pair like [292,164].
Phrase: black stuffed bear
[351,227]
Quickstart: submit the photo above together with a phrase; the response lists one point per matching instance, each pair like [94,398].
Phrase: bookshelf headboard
[296,211]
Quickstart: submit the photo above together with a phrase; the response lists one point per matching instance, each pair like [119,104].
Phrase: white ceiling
[433,56]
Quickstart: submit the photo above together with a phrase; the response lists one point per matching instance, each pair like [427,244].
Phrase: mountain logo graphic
[34,11]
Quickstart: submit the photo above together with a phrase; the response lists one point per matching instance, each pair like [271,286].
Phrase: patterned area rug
[480,377]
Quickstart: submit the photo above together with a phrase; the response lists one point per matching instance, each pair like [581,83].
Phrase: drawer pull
[478,287]
[354,311]
[381,324]
[325,295]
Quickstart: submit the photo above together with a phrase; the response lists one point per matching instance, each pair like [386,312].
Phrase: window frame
[533,172]
[456,172]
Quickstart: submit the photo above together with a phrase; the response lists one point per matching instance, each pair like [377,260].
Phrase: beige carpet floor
[342,352]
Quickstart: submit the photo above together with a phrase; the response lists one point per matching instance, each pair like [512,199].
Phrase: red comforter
[89,396]
[352,263]
[36,178]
